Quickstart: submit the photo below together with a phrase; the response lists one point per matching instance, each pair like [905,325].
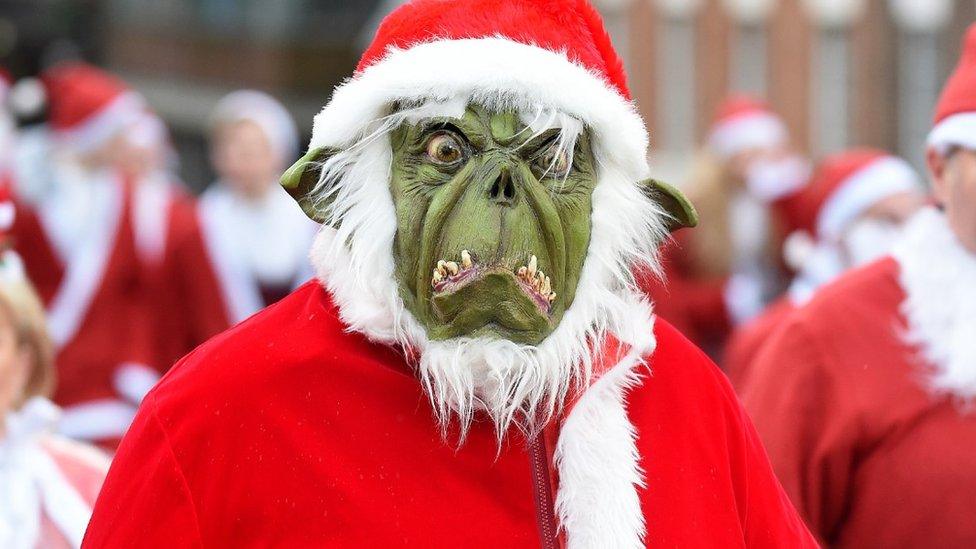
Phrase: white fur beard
[939,279]
[512,384]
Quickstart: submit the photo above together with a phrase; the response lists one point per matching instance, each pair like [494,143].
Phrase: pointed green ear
[682,213]
[302,177]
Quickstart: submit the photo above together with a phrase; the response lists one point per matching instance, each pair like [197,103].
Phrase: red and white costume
[843,187]
[859,398]
[708,306]
[48,484]
[258,250]
[306,426]
[79,251]
[215,261]
[864,397]
[337,430]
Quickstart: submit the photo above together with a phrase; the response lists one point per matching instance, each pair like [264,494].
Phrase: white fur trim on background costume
[87,263]
[151,204]
[355,260]
[880,179]
[253,242]
[97,419]
[955,130]
[938,276]
[31,484]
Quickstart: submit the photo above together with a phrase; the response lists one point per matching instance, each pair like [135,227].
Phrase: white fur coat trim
[599,465]
[938,276]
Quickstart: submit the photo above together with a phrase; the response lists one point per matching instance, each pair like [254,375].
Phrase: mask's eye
[444,148]
[554,161]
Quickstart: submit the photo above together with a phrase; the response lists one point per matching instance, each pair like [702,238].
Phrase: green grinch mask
[493,221]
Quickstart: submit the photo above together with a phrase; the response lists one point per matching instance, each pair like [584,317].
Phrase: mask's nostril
[503,189]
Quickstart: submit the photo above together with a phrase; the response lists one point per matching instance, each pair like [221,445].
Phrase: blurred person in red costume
[169,244]
[470,368]
[850,214]
[864,397]
[254,237]
[79,250]
[48,484]
[745,185]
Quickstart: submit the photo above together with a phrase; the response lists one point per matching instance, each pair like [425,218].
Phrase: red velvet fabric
[957,95]
[287,431]
[748,339]
[870,457]
[570,26]
[115,326]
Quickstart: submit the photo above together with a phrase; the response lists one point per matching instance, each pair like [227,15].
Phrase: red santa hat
[742,123]
[545,53]
[87,106]
[955,113]
[846,184]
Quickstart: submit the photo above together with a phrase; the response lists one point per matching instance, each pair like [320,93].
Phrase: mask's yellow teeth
[445,270]
[536,279]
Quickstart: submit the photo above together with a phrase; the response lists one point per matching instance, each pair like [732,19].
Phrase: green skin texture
[445,207]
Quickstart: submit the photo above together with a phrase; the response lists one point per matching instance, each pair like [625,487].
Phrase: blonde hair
[19,300]
[710,189]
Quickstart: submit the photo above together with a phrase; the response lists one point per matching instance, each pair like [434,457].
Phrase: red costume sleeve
[716,449]
[145,501]
[799,406]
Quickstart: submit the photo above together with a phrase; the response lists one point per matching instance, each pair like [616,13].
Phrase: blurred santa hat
[742,123]
[88,106]
[955,113]
[843,187]
[267,113]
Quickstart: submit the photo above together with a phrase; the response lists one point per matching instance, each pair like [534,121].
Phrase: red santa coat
[870,457]
[181,285]
[288,430]
[748,339]
[95,314]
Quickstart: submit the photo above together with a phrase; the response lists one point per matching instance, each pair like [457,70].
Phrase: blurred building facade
[841,72]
